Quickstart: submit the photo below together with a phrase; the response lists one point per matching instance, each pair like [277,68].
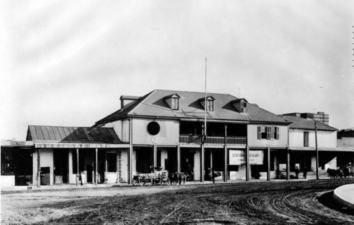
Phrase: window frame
[306,139]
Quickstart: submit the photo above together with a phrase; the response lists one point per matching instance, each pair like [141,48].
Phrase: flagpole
[205,100]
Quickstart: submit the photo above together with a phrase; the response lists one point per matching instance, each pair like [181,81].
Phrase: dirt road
[307,202]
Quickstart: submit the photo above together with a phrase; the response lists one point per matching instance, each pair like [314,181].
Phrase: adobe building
[163,129]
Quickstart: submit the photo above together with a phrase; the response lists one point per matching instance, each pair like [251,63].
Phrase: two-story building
[165,129]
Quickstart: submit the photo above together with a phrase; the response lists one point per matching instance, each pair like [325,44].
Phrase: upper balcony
[218,134]
[217,141]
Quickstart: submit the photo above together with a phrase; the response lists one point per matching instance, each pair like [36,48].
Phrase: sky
[66,63]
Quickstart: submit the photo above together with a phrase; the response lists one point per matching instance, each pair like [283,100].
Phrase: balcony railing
[190,139]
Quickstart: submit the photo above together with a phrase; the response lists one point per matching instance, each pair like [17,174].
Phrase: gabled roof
[307,124]
[54,134]
[153,105]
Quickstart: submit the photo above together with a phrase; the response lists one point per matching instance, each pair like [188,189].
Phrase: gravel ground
[295,202]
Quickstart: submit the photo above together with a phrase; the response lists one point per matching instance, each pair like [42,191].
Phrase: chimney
[125,100]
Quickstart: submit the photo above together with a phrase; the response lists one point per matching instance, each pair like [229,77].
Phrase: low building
[306,135]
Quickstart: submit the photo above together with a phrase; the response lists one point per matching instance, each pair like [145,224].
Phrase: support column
[130,153]
[268,164]
[202,153]
[178,158]
[211,159]
[287,164]
[248,168]
[130,166]
[96,162]
[105,167]
[77,167]
[117,169]
[225,163]
[38,168]
[155,157]
[317,163]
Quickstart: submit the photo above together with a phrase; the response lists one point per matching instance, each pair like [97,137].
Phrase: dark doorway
[61,166]
[187,162]
[144,160]
[89,173]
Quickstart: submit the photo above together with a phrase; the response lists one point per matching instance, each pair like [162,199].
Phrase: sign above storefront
[238,157]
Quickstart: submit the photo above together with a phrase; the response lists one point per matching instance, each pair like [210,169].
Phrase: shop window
[112,162]
[306,139]
[7,164]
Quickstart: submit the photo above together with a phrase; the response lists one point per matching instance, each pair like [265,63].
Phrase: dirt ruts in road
[242,203]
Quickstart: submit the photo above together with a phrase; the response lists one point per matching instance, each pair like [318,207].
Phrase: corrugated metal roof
[55,134]
[154,105]
[308,124]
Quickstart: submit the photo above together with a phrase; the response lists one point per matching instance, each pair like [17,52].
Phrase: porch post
[118,162]
[77,167]
[287,163]
[225,154]
[268,164]
[38,168]
[248,168]
[96,162]
[130,153]
[178,158]
[105,167]
[225,163]
[247,163]
[155,157]
[202,163]
[317,163]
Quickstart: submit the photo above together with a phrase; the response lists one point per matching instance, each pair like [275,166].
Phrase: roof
[154,105]
[308,124]
[55,134]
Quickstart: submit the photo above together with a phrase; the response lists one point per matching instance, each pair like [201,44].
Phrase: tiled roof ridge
[64,126]
[199,92]
[142,101]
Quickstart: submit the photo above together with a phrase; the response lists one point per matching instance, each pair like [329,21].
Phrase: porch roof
[78,135]
[322,149]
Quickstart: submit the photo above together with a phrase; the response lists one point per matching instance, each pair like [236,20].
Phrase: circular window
[153,128]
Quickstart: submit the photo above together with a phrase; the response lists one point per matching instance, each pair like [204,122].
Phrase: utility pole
[317,164]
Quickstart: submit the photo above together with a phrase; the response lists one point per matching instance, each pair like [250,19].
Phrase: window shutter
[306,139]
[277,133]
[268,132]
[259,132]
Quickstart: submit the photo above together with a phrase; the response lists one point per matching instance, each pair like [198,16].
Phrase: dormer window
[210,103]
[240,105]
[173,101]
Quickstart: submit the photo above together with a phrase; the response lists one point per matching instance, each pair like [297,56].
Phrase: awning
[321,149]
[79,145]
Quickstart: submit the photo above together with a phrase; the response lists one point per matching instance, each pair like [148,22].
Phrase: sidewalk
[345,195]
[68,187]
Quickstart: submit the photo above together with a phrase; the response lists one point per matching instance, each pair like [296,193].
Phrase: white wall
[163,157]
[46,160]
[8,181]
[326,139]
[124,165]
[121,127]
[196,169]
[168,135]
[253,141]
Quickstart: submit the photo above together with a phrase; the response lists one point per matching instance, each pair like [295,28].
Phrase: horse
[334,173]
